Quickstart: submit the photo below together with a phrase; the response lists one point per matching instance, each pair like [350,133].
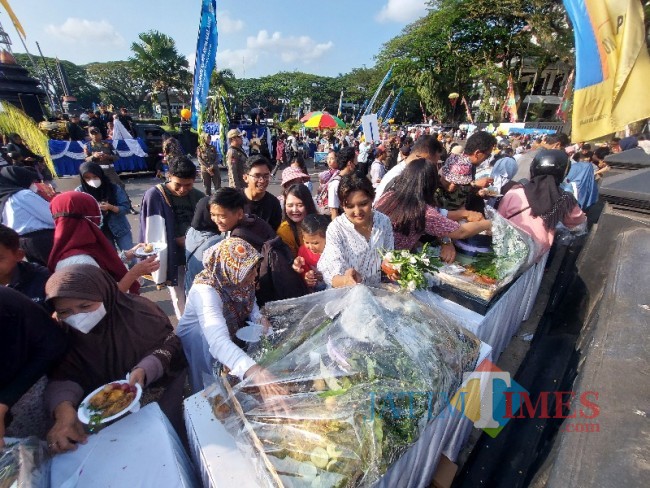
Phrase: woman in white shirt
[355,239]
[220,302]
[26,212]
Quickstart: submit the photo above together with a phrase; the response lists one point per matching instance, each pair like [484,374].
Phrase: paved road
[136,186]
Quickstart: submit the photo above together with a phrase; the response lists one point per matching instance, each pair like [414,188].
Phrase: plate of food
[149,249]
[492,191]
[109,402]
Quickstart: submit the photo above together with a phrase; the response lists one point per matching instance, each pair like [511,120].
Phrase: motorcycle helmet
[553,162]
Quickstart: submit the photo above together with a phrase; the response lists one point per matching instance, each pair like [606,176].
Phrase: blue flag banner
[374,97]
[384,107]
[206,58]
[363,107]
[393,107]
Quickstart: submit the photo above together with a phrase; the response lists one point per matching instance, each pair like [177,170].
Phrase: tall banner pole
[206,59]
[379,88]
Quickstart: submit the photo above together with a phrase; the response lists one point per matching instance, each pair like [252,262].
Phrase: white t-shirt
[377,172]
[333,192]
[393,173]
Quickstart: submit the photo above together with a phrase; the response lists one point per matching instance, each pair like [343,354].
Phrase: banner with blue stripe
[206,58]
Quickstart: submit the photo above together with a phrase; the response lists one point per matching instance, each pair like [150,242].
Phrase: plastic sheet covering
[364,370]
[483,277]
[24,463]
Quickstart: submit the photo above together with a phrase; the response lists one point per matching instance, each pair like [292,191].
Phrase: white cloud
[291,49]
[238,60]
[402,11]
[191,60]
[82,30]
[227,24]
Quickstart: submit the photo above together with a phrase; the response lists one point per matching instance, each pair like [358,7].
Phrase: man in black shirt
[126,120]
[257,174]
[27,278]
[75,131]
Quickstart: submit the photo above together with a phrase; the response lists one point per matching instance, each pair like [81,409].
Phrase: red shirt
[311,259]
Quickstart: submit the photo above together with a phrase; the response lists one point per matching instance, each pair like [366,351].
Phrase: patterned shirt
[435,225]
[346,248]
[207,156]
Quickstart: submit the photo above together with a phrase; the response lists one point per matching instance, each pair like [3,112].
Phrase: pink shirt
[515,200]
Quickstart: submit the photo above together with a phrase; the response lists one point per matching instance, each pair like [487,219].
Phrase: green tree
[118,83]
[471,46]
[157,61]
[80,86]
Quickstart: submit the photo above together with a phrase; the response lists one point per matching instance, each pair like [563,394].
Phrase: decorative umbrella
[324,121]
[310,115]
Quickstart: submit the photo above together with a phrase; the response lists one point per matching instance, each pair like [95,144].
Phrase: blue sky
[256,37]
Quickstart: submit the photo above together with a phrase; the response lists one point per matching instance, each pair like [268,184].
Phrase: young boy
[227,212]
[167,212]
[27,278]
[314,228]
[260,202]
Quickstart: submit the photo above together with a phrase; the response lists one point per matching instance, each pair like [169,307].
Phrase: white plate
[84,413]
[157,247]
[251,333]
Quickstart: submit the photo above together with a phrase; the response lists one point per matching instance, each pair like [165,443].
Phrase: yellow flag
[13,18]
[612,66]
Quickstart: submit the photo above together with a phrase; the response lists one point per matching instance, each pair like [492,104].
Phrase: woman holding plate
[111,334]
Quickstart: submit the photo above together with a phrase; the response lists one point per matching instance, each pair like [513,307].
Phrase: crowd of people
[71,314]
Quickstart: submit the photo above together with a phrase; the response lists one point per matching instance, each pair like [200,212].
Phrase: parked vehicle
[152,135]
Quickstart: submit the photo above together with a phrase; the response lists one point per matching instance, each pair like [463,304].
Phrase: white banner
[370,127]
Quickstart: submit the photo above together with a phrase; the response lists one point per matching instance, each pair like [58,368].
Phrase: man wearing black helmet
[553,141]
[539,205]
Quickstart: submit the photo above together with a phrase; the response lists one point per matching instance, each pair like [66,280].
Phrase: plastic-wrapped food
[483,276]
[24,463]
[364,370]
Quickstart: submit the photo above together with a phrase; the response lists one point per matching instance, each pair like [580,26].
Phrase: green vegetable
[333,451]
[486,265]
[319,458]
[413,267]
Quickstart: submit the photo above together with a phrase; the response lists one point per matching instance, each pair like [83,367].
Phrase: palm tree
[157,61]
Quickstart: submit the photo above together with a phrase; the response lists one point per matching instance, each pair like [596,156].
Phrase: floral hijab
[226,265]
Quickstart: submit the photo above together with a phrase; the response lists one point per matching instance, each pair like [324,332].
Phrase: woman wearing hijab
[30,344]
[26,212]
[202,234]
[113,202]
[539,205]
[79,240]
[111,334]
[220,302]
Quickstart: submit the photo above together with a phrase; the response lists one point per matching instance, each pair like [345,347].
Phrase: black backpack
[278,280]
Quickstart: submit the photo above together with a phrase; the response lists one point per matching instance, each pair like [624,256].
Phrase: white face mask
[33,187]
[95,182]
[85,322]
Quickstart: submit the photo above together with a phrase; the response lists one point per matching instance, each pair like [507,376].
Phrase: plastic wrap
[24,464]
[364,370]
[483,277]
